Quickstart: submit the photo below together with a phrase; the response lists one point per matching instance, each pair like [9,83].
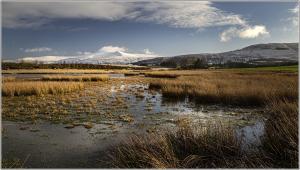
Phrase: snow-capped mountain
[258,54]
[105,55]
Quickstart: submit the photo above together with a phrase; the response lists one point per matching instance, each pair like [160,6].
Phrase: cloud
[191,14]
[253,32]
[111,49]
[35,14]
[39,49]
[295,17]
[246,32]
[188,15]
[83,53]
[147,51]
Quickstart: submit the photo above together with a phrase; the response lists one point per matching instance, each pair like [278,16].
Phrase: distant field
[293,68]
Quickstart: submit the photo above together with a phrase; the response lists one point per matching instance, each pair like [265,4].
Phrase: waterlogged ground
[74,130]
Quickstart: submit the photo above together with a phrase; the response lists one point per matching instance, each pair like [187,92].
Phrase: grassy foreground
[215,146]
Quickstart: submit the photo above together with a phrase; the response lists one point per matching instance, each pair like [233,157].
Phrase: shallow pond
[132,109]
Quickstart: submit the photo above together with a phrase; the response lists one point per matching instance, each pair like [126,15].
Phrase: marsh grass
[56,71]
[12,163]
[8,79]
[27,88]
[281,134]
[212,146]
[216,145]
[76,78]
[230,88]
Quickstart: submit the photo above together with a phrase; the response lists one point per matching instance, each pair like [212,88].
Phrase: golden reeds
[76,78]
[210,146]
[26,88]
[56,71]
[280,141]
[8,79]
[230,88]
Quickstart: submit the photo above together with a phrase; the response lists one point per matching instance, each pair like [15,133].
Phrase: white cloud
[44,59]
[111,49]
[246,32]
[175,14]
[39,49]
[147,51]
[191,14]
[83,53]
[295,17]
[253,32]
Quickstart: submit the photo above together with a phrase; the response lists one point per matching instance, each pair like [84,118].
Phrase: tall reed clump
[280,142]
[76,78]
[230,88]
[27,88]
[213,146]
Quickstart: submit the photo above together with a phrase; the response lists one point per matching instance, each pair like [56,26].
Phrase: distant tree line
[201,63]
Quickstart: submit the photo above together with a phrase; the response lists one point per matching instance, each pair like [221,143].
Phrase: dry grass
[213,146]
[281,134]
[8,79]
[76,78]
[230,88]
[216,146]
[27,88]
[56,71]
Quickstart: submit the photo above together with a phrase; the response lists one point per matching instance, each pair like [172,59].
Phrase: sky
[165,28]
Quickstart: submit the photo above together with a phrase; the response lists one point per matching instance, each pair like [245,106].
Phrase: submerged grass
[76,78]
[27,88]
[230,87]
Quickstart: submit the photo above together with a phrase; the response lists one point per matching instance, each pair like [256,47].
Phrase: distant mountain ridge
[258,54]
[99,57]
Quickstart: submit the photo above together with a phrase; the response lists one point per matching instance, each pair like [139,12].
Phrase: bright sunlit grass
[27,88]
